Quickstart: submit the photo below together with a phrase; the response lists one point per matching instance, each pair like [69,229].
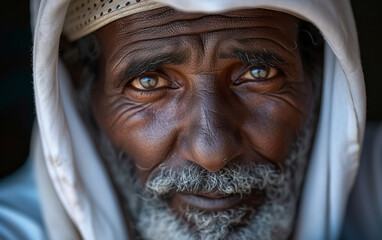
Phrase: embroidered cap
[86,16]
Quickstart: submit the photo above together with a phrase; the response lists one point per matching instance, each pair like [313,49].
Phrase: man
[204,121]
[217,128]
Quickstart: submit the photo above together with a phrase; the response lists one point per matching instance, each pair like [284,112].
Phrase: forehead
[166,29]
[158,19]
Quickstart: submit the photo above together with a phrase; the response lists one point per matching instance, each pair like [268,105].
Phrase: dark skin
[176,87]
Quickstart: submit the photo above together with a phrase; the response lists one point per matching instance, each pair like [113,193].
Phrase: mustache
[230,180]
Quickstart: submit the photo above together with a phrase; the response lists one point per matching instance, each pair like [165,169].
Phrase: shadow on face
[177,87]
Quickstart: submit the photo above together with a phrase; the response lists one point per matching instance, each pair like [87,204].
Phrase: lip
[206,201]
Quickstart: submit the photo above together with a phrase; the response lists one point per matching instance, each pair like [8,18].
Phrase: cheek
[143,131]
[147,139]
[273,122]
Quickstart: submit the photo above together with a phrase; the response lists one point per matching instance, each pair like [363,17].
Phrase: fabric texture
[81,182]
[56,220]
[20,213]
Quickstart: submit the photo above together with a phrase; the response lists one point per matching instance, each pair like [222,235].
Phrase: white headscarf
[78,183]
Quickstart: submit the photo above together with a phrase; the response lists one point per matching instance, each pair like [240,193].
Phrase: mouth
[213,201]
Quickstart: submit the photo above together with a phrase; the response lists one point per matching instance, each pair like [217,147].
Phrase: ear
[70,54]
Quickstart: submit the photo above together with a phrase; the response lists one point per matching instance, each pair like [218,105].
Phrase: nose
[213,138]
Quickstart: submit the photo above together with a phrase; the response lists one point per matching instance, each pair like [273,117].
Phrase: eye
[260,73]
[149,82]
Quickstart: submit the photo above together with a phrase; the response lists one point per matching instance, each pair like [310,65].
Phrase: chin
[155,220]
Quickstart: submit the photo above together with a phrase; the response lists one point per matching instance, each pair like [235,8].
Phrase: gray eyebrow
[138,67]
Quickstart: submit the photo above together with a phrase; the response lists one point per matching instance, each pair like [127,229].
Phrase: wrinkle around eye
[261,86]
[147,96]
[284,98]
[124,110]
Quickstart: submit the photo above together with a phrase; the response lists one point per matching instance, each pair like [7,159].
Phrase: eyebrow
[257,58]
[149,64]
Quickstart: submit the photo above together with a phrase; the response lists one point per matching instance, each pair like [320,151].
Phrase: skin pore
[223,91]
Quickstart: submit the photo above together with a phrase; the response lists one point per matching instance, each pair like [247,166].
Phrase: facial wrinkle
[206,99]
[208,22]
[280,97]
[164,36]
[126,114]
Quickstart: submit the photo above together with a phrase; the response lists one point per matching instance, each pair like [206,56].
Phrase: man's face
[175,88]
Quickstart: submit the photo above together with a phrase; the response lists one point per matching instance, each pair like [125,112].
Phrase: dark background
[16,95]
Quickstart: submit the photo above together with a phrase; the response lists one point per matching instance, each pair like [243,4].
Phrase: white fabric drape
[81,182]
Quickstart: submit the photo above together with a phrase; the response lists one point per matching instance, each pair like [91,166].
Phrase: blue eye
[259,73]
[148,82]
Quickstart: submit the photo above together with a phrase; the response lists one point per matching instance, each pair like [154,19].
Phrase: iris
[148,82]
[259,73]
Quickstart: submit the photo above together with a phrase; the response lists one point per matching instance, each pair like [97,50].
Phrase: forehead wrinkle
[167,15]
[126,30]
[194,24]
[256,44]
[281,40]
[199,25]
[159,44]
[164,15]
[122,55]
[199,53]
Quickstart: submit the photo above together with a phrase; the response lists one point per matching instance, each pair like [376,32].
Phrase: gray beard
[153,218]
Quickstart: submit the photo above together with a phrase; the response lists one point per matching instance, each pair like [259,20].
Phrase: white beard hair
[153,218]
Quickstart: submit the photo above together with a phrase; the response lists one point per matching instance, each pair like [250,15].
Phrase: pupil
[259,73]
[148,82]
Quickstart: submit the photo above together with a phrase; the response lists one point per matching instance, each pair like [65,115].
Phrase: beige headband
[86,16]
